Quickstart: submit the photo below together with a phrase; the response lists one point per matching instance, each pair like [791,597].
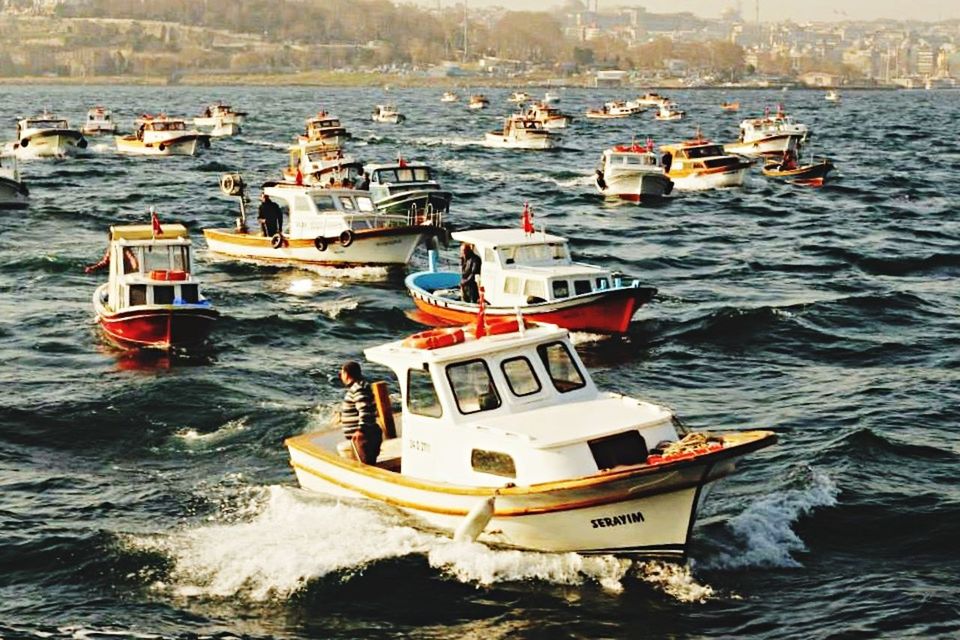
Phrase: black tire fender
[277,241]
[25,142]
[161,146]
[83,143]
[320,243]
[346,238]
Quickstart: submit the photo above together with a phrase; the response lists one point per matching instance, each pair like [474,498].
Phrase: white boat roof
[169,231]
[505,237]
[396,165]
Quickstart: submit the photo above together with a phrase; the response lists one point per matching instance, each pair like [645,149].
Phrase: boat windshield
[646,159]
[168,126]
[164,258]
[403,174]
[705,151]
[560,365]
[47,124]
[531,254]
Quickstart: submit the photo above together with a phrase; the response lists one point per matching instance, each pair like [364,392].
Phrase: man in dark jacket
[358,414]
[270,216]
[469,272]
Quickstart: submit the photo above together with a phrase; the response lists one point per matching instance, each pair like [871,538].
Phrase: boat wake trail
[272,543]
[266,143]
[762,536]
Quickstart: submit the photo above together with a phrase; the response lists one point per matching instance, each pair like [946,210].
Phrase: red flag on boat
[401,161]
[527,218]
[649,144]
[481,329]
[299,177]
[155,222]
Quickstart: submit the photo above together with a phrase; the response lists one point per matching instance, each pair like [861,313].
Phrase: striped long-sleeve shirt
[358,410]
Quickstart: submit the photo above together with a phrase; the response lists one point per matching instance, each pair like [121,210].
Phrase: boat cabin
[313,211]
[99,115]
[148,269]
[630,157]
[324,126]
[321,163]
[400,175]
[519,268]
[517,407]
[41,123]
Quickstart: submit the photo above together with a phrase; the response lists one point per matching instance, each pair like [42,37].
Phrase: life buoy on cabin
[435,338]
[176,274]
[496,326]
[159,274]
[346,237]
[276,241]
[320,243]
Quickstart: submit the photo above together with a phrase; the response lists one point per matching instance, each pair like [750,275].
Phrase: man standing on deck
[469,271]
[358,416]
[270,216]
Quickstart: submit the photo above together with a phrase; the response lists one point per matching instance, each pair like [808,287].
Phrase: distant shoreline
[330,79]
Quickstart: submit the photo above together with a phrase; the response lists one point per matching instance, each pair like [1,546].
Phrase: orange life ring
[159,274]
[176,275]
[435,338]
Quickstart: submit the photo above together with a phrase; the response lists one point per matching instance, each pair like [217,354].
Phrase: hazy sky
[770,10]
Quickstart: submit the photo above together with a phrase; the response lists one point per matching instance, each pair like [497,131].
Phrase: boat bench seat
[390,452]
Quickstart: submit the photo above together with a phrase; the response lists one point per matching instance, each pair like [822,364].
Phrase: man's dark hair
[352,369]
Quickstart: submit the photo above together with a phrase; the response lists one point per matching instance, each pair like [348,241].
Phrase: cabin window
[422,397]
[473,387]
[346,203]
[581,287]
[422,174]
[520,376]
[387,175]
[324,202]
[511,285]
[508,255]
[190,293]
[405,175]
[561,367]
[620,449]
[493,462]
[181,260]
[561,289]
[156,259]
[138,294]
[535,290]
[365,204]
[559,251]
[163,295]
[489,256]
[602,283]
[301,203]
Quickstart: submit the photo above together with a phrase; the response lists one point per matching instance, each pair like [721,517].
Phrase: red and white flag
[481,329]
[527,218]
[155,223]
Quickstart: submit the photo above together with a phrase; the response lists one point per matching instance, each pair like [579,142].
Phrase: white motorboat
[449,96]
[668,111]
[162,136]
[701,164]
[632,172]
[772,135]
[548,117]
[521,132]
[388,114]
[551,98]
[319,164]
[99,122]
[519,97]
[221,115]
[478,101]
[325,128]
[613,109]
[45,136]
[337,227]
[13,192]
[832,96]
[504,438]
[407,188]
[648,100]
[152,298]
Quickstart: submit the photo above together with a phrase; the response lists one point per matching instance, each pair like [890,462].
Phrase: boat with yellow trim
[701,164]
[162,135]
[45,136]
[503,437]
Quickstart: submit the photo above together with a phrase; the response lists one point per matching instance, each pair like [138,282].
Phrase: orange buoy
[435,338]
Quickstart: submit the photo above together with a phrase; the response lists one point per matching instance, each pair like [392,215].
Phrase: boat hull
[499,141]
[393,246]
[710,180]
[775,145]
[182,146]
[646,510]
[13,194]
[811,175]
[419,201]
[605,311]
[155,326]
[394,119]
[51,143]
[636,187]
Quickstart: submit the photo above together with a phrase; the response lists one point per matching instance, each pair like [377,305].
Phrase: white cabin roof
[494,238]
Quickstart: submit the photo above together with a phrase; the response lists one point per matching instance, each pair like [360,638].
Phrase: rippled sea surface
[148,496]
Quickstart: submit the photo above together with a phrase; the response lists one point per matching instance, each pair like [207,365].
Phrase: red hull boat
[159,328]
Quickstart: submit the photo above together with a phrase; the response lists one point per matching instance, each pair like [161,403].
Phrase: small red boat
[808,175]
[529,273]
[151,299]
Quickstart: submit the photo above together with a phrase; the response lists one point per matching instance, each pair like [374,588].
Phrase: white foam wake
[763,533]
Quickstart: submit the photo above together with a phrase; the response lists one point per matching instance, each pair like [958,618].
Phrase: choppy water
[147,497]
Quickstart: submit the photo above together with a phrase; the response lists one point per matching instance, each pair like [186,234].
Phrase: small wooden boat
[811,175]
[99,121]
[521,132]
[668,111]
[548,117]
[532,272]
[387,114]
[772,135]
[730,106]
[152,299]
[449,96]
[478,101]
[504,438]
[613,109]
[701,164]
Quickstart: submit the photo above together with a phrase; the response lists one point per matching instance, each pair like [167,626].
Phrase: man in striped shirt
[358,414]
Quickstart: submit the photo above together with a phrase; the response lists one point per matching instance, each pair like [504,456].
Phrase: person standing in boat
[469,272]
[270,216]
[358,417]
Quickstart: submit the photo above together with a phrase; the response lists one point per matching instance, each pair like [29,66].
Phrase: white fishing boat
[45,136]
[668,111]
[162,136]
[519,97]
[548,117]
[449,96]
[613,109]
[649,99]
[99,122]
[325,128]
[772,135]
[152,298]
[218,113]
[337,227]
[408,188]
[13,192]
[478,101]
[551,97]
[503,437]
[319,164]
[521,132]
[387,114]
[832,96]
[632,172]
[698,164]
